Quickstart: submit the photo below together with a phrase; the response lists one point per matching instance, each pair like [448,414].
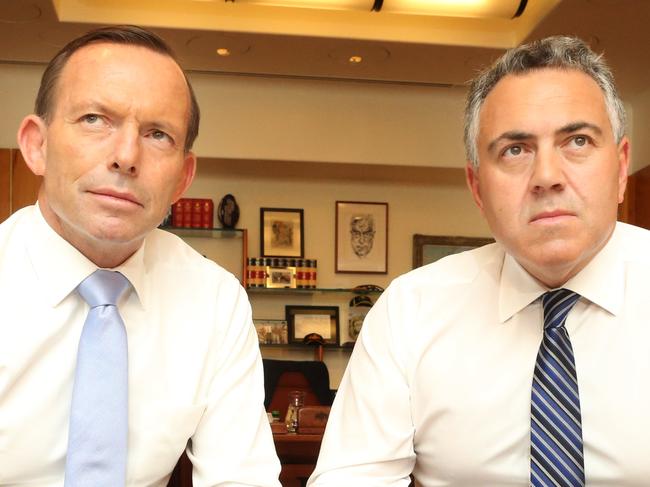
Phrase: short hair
[561,52]
[122,34]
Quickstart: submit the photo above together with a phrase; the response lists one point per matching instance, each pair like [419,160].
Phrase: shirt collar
[517,288]
[601,281]
[61,267]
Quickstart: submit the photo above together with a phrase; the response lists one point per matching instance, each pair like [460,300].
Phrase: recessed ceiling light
[356,54]
[223,51]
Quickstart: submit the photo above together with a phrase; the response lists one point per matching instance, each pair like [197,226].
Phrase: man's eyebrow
[576,126]
[512,135]
[92,106]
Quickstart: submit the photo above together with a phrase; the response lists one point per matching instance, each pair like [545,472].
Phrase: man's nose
[548,171]
[126,157]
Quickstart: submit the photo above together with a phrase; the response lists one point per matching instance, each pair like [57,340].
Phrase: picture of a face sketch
[361,237]
[282,234]
[362,234]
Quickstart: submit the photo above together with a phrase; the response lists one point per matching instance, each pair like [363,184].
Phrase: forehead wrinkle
[122,98]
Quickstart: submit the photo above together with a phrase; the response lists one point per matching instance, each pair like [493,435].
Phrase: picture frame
[361,237]
[360,305]
[429,248]
[303,320]
[281,232]
[272,332]
[280,277]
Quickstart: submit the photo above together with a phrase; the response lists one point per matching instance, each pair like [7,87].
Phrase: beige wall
[333,121]
[639,131]
[18,88]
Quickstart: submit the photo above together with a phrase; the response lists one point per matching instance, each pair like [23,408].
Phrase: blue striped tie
[97,440]
[556,431]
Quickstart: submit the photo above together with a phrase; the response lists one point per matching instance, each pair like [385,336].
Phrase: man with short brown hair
[120,346]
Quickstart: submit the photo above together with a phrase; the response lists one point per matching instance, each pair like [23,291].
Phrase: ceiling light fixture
[505,9]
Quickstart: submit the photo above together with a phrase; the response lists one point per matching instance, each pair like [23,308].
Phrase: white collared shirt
[440,378]
[194,365]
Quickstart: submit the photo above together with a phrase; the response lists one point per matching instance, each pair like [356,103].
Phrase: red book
[196,213]
[177,214]
[207,213]
[187,212]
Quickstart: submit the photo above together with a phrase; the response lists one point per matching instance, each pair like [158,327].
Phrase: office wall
[420,200]
[639,130]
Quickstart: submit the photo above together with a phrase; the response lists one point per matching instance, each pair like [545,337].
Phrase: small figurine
[228,211]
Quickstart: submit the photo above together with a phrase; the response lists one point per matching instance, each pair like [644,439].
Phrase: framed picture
[361,237]
[428,248]
[359,307]
[303,320]
[281,232]
[272,332]
[282,277]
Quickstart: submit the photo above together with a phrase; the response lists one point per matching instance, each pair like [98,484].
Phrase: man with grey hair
[507,364]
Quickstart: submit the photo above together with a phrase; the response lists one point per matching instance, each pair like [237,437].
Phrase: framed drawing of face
[361,237]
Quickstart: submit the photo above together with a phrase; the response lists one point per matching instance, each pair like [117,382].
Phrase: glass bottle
[296,401]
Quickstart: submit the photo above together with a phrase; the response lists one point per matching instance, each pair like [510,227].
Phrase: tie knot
[557,304]
[103,288]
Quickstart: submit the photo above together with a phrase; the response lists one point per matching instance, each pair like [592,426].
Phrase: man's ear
[188,172]
[471,177]
[623,167]
[32,140]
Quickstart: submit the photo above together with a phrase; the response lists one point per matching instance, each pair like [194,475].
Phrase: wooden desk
[298,454]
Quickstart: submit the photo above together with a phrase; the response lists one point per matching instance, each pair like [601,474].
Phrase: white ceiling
[30,32]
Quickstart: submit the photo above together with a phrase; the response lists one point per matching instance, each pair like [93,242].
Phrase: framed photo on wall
[280,277]
[272,332]
[303,320]
[429,248]
[281,232]
[361,237]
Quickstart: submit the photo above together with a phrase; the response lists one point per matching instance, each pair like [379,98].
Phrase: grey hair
[553,52]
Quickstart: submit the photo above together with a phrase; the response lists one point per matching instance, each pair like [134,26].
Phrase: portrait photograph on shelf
[272,332]
[281,232]
[280,277]
[304,320]
[359,307]
[361,237]
[429,248]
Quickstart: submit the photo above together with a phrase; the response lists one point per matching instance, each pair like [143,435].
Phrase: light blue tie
[99,413]
[556,428]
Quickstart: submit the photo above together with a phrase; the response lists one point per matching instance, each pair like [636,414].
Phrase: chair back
[283,376]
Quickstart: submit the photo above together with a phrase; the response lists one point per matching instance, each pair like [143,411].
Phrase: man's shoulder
[456,269]
[634,241]
[166,252]
[15,221]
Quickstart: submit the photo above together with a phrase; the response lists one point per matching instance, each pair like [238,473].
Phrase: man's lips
[551,215]
[118,196]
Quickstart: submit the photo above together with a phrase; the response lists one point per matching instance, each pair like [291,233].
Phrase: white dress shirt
[439,382]
[194,365]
